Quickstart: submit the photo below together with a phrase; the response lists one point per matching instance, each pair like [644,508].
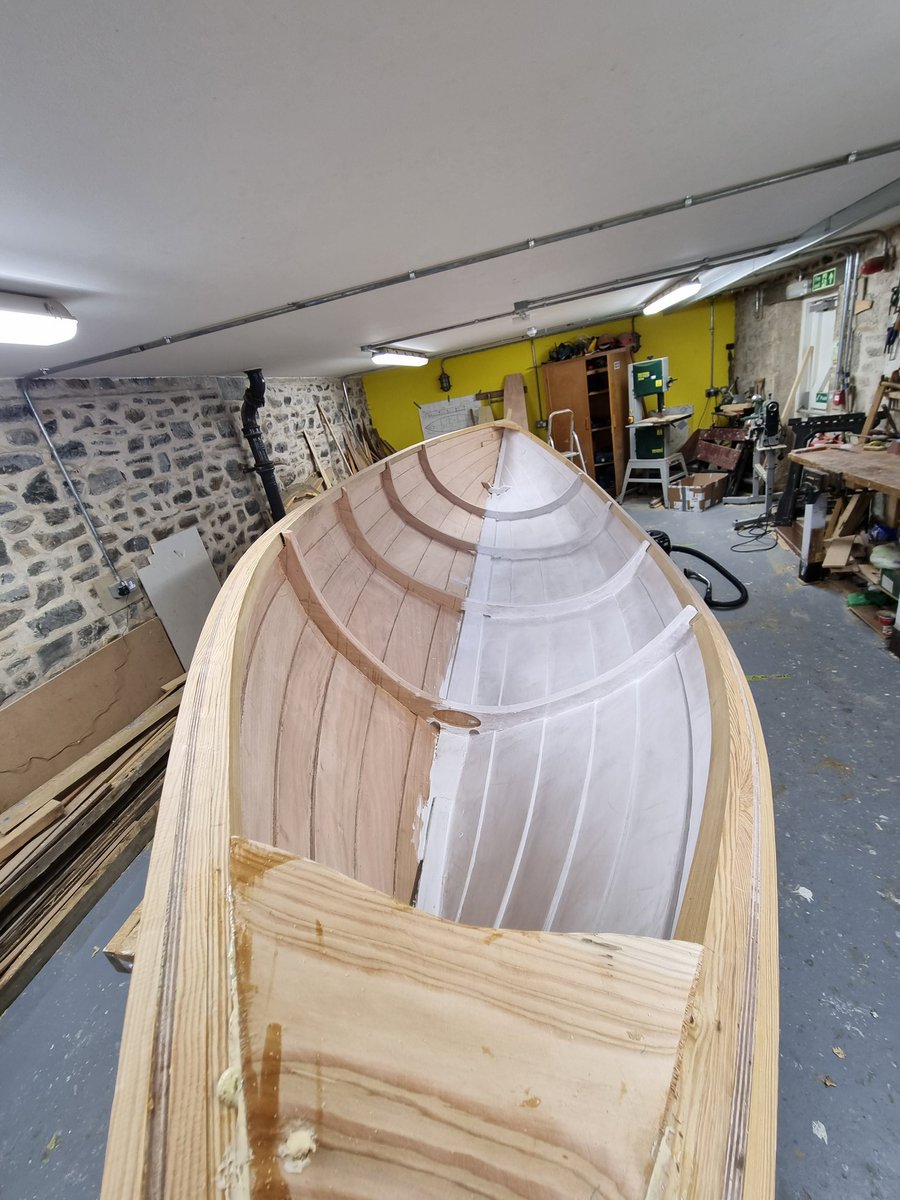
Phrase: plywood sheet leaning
[432,908]
[54,725]
[182,586]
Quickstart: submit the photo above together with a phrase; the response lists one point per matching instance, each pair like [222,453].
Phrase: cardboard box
[696,492]
[890,581]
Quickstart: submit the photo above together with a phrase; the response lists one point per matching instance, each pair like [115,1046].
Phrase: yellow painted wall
[682,335]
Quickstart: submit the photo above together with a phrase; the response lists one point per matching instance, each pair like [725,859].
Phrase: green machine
[647,379]
[650,434]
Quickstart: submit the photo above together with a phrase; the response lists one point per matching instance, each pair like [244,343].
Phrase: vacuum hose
[663,540]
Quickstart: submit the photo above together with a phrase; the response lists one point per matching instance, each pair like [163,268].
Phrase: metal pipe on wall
[254,399]
[123,587]
[851,273]
[712,343]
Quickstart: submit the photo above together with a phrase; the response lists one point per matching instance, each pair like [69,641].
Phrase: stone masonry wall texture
[150,457]
[768,346]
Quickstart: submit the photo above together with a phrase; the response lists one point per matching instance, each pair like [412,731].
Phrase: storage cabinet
[595,387]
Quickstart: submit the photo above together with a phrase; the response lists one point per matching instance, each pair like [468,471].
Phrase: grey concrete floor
[829,704]
[831,729]
[59,1047]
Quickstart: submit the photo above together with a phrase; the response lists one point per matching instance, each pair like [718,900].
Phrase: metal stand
[654,470]
[763,472]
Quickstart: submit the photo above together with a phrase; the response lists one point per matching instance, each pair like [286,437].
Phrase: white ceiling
[172,165]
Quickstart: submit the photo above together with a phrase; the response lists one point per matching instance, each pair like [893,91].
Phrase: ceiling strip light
[683,290]
[34,321]
[388,357]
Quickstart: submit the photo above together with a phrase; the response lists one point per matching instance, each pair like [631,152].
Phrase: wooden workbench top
[874,469]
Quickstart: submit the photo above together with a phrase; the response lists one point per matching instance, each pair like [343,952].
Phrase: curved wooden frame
[183,1032]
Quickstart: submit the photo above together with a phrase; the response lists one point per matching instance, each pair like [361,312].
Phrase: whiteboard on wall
[444,416]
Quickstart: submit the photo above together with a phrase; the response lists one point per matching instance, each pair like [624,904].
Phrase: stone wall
[150,457]
[767,338]
[766,341]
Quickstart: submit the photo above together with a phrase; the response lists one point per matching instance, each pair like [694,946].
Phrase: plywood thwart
[438,1059]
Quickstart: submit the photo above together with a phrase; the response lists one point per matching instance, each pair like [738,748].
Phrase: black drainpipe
[254,399]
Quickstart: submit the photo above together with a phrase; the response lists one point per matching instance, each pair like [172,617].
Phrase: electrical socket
[109,599]
[123,589]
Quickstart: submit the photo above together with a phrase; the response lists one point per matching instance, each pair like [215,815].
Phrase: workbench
[876,470]
[873,470]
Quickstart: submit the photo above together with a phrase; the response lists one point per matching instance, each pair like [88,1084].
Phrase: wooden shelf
[873,575]
[595,388]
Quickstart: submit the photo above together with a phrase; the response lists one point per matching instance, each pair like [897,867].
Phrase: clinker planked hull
[464,880]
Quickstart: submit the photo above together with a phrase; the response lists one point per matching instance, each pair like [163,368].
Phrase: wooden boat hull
[469,681]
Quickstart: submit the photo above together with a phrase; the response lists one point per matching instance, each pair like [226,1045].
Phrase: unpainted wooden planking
[434,532]
[294,816]
[46,814]
[514,400]
[122,946]
[517,1028]
[262,710]
[272,718]
[184,915]
[387,568]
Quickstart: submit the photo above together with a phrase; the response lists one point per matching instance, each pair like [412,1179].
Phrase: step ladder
[574,451]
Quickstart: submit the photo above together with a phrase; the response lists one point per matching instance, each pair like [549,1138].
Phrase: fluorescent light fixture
[397,358]
[683,290]
[34,321]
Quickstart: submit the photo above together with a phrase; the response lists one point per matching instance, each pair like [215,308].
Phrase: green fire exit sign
[824,279]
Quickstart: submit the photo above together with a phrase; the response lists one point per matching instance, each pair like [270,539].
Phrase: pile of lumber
[844,548]
[64,844]
[357,447]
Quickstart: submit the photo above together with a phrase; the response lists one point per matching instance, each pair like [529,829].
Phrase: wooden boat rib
[463,882]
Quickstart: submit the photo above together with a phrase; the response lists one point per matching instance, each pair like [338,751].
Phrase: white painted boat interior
[473,685]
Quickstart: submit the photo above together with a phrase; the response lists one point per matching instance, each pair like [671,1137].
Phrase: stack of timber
[64,843]
[464,876]
[357,447]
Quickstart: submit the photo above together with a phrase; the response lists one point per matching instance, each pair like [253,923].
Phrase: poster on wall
[444,416]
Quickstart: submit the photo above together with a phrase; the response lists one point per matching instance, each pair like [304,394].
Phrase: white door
[816,330]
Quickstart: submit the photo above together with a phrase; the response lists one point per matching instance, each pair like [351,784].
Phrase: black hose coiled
[665,542]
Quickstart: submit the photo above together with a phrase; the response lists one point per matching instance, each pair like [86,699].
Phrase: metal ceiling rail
[523,308]
[549,239]
[714,269]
